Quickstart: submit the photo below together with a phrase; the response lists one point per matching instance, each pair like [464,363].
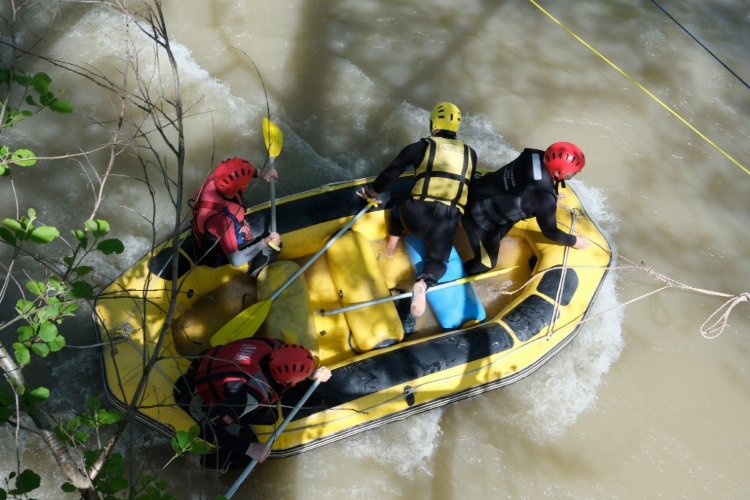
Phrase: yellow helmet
[445,116]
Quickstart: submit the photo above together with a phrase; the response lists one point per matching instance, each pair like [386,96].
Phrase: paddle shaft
[272,184]
[320,252]
[238,482]
[459,281]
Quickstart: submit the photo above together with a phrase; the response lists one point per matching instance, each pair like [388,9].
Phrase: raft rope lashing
[644,89]
[700,43]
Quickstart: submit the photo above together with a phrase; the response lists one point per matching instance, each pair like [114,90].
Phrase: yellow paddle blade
[273,136]
[244,325]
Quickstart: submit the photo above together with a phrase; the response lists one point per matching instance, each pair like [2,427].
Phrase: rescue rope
[641,87]
[700,43]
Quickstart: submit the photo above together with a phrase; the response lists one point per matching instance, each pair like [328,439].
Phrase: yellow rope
[644,89]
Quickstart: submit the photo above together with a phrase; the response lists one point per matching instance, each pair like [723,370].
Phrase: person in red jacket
[526,187]
[220,233]
[238,385]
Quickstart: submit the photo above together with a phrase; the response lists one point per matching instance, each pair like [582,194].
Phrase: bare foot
[390,247]
[418,299]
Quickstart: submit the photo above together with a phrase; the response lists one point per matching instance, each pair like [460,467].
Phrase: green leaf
[6,235]
[44,234]
[82,290]
[98,227]
[4,172]
[83,270]
[25,333]
[81,237]
[40,81]
[12,224]
[108,417]
[59,106]
[181,442]
[56,344]
[36,287]
[22,354]
[110,246]
[50,312]
[26,481]
[69,309]
[41,350]
[23,157]
[38,395]
[68,488]
[93,403]
[48,331]
[24,306]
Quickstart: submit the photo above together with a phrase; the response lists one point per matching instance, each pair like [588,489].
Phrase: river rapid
[641,404]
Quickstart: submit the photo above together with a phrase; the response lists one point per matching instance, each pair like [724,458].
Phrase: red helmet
[563,158]
[291,363]
[233,175]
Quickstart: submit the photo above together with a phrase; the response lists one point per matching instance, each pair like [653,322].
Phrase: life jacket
[496,198]
[444,173]
[210,203]
[237,361]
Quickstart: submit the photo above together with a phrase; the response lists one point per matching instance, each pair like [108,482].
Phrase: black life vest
[496,198]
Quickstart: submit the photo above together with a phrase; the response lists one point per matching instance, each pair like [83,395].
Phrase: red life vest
[217,218]
[237,361]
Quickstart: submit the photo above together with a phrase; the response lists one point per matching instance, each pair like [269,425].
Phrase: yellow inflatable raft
[385,366]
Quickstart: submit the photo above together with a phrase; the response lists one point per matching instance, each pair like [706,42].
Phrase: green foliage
[14,231]
[151,487]
[25,482]
[111,479]
[53,300]
[78,430]
[47,302]
[189,442]
[22,157]
[36,94]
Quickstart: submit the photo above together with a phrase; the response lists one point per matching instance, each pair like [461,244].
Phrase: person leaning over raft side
[526,187]
[443,166]
[220,232]
[239,384]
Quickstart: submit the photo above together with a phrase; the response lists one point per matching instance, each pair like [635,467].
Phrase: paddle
[460,281]
[247,322]
[274,139]
[238,482]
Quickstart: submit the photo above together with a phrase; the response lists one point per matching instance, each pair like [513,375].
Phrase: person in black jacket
[233,386]
[526,187]
[443,167]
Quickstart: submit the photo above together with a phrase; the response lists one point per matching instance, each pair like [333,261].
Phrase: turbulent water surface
[640,405]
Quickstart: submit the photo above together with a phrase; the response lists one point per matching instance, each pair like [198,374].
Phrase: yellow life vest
[444,173]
